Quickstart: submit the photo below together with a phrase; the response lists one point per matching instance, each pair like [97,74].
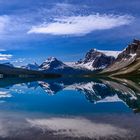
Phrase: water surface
[69,108]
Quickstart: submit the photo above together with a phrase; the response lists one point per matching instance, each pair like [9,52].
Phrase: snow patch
[110,53]
[114,98]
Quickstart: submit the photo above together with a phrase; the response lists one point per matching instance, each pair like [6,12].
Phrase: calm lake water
[69,108]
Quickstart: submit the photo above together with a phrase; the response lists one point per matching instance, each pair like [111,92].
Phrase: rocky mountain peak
[95,59]
[91,55]
[52,62]
[132,50]
[128,60]
[51,59]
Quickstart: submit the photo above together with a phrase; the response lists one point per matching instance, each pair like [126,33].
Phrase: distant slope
[12,71]
[31,67]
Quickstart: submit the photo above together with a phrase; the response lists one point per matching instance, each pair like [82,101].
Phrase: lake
[69,109]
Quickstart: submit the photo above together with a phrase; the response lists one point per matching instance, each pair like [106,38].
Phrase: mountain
[127,62]
[31,67]
[95,60]
[8,64]
[10,71]
[54,65]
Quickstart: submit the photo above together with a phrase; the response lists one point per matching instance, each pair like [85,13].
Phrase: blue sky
[31,31]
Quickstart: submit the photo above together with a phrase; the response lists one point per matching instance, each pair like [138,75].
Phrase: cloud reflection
[78,127]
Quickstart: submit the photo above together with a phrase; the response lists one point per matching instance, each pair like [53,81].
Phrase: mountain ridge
[94,60]
[101,62]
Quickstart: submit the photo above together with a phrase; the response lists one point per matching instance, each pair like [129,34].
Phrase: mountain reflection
[95,90]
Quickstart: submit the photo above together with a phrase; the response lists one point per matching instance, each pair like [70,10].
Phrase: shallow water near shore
[69,108]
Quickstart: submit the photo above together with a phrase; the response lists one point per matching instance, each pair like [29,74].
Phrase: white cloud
[81,25]
[4,21]
[5,57]
[5,94]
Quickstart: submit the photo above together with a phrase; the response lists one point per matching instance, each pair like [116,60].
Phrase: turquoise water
[49,109]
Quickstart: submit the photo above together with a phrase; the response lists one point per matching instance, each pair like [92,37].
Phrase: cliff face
[95,59]
[132,50]
[128,61]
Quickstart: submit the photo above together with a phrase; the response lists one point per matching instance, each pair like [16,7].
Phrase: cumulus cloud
[81,25]
[5,57]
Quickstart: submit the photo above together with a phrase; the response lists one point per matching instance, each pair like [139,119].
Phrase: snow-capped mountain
[119,62]
[54,65]
[31,66]
[95,60]
[128,61]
